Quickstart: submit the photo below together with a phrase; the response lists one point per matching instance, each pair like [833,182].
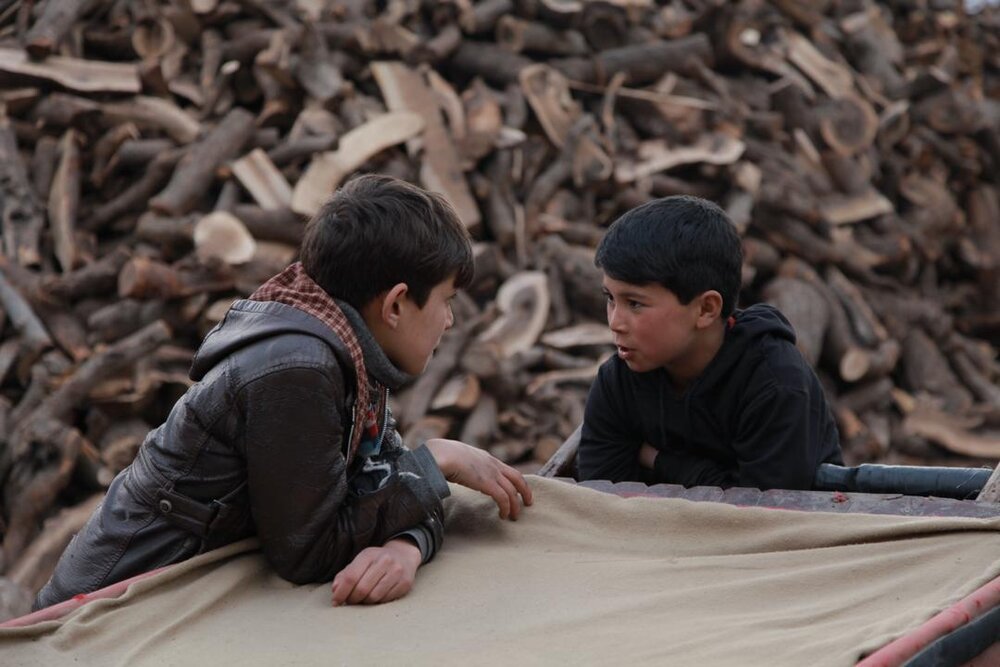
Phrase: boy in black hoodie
[699,394]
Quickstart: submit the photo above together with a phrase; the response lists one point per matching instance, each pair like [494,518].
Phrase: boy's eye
[634,305]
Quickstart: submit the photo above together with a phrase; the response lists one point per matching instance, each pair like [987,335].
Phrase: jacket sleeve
[429,534]
[609,444]
[776,438]
[309,524]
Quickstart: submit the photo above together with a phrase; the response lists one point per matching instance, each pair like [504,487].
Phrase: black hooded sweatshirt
[755,417]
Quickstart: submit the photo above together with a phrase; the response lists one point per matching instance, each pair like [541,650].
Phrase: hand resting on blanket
[480,471]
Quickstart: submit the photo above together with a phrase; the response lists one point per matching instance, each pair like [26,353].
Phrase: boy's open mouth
[624,352]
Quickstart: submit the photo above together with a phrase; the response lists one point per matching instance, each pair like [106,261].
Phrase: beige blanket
[582,578]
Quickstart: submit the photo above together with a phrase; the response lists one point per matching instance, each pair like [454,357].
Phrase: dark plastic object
[960,483]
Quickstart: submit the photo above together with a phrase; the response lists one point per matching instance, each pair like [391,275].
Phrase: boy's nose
[615,321]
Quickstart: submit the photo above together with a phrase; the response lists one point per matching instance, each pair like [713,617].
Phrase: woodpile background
[158,160]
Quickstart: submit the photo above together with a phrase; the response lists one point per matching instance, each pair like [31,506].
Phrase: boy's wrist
[406,548]
[440,451]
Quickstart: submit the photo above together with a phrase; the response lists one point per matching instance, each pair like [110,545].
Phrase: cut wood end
[223,236]
[580,335]
[523,301]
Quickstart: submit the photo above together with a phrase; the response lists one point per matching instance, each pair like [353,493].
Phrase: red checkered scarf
[293,287]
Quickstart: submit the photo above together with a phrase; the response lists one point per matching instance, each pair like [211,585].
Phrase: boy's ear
[392,304]
[709,308]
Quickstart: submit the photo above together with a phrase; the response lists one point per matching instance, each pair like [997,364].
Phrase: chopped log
[93,279]
[224,237]
[34,338]
[33,569]
[806,309]
[482,17]
[440,171]
[22,217]
[481,424]
[431,426]
[43,165]
[549,379]
[547,91]
[459,394]
[865,323]
[64,199]
[492,62]
[585,334]
[523,301]
[35,493]
[656,156]
[138,193]
[154,113]
[52,26]
[848,209]
[87,76]
[519,35]
[263,181]
[641,63]
[121,441]
[926,369]
[326,171]
[193,175]
[951,432]
[144,278]
[441,365]
[833,77]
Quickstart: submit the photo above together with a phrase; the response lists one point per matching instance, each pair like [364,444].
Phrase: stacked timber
[158,159]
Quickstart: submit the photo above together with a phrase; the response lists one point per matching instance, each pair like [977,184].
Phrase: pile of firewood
[158,159]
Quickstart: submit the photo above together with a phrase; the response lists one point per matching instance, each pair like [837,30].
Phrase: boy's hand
[647,455]
[378,574]
[481,471]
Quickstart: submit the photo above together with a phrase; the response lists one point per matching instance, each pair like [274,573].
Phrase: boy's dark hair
[377,231]
[688,245]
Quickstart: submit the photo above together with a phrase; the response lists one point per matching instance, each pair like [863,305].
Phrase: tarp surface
[582,578]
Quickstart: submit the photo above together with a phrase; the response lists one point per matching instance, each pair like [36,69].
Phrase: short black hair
[687,244]
[377,231]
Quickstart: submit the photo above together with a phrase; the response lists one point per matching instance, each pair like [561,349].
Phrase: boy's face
[420,329]
[651,328]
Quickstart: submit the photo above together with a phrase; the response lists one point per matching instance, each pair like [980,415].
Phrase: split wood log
[33,569]
[64,199]
[262,180]
[87,76]
[951,432]
[46,427]
[137,194]
[641,63]
[806,309]
[926,369]
[481,424]
[22,217]
[154,113]
[222,236]
[655,156]
[194,174]
[523,302]
[404,90]
[459,394]
[52,26]
[441,365]
[328,170]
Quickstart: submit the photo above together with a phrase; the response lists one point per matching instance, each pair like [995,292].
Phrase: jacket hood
[248,322]
[747,326]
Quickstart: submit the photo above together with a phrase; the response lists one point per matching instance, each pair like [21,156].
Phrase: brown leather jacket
[255,447]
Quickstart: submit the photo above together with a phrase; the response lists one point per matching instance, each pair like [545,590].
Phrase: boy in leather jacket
[700,393]
[287,433]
